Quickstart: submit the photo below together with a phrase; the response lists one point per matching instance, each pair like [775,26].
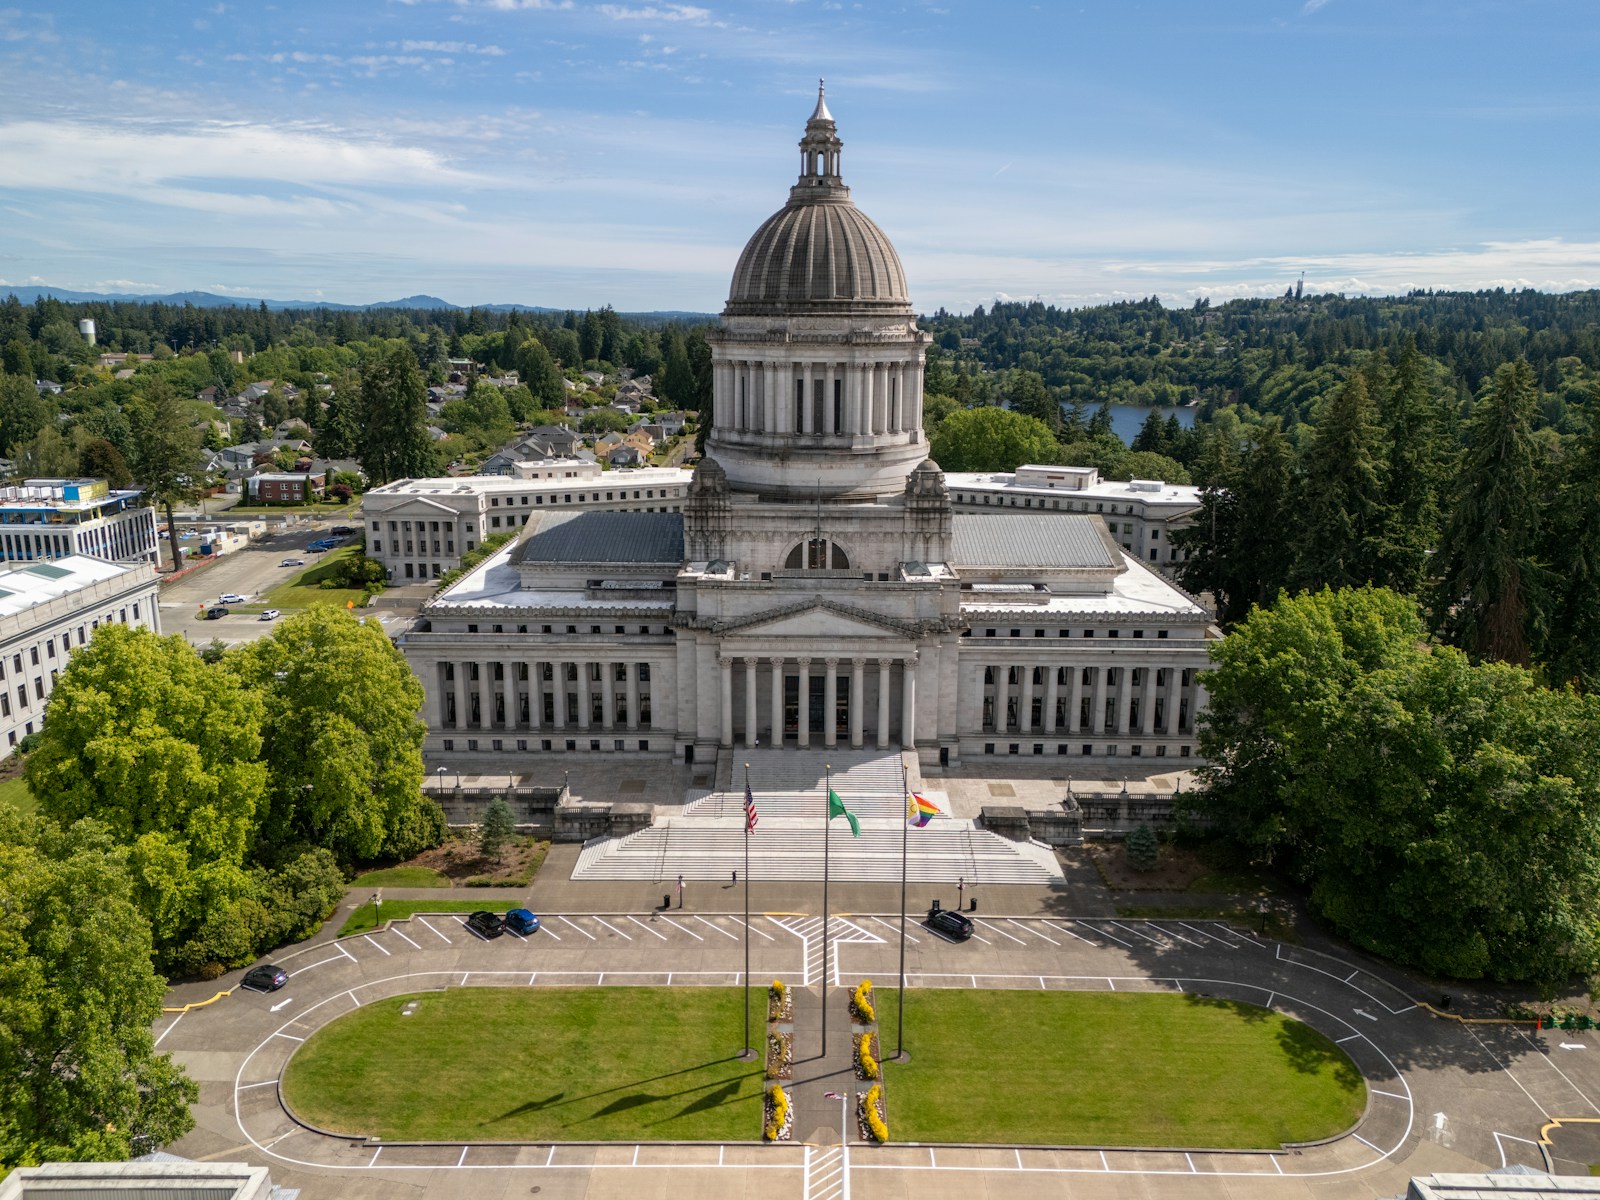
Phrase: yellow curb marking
[199,1003]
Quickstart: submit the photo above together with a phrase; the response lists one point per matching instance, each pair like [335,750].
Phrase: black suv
[950,923]
[265,978]
[486,924]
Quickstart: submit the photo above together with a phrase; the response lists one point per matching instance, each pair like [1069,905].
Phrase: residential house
[624,455]
[286,487]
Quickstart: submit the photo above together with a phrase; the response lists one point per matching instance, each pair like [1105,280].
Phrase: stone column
[1124,694]
[804,714]
[512,714]
[852,399]
[726,670]
[1147,703]
[869,403]
[1201,698]
[1051,695]
[857,674]
[435,696]
[750,726]
[1074,696]
[777,701]
[808,400]
[558,694]
[584,706]
[633,695]
[769,396]
[914,399]
[883,702]
[830,704]
[1097,701]
[1169,702]
[608,696]
[535,694]
[463,709]
[486,696]
[1025,700]
[908,702]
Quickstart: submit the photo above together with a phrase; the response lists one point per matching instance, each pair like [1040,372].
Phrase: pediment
[818,619]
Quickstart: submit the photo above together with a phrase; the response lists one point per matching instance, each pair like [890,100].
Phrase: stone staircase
[707,840]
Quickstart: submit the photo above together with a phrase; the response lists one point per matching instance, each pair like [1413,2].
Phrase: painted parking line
[546,929]
[647,929]
[404,938]
[1106,934]
[1035,932]
[995,928]
[685,928]
[1240,938]
[895,929]
[753,929]
[624,936]
[429,924]
[1210,937]
[579,928]
[368,937]
[1173,933]
[1067,929]
[1138,933]
[734,937]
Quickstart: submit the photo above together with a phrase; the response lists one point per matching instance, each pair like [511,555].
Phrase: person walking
[680,891]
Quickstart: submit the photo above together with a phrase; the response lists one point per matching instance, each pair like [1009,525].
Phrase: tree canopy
[991,439]
[1444,814]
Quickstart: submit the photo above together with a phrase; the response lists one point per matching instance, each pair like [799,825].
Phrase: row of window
[644,630]
[1027,502]
[620,744]
[474,712]
[546,672]
[1088,633]
[1113,676]
[1085,749]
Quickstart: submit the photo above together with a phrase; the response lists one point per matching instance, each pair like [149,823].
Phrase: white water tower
[86,327]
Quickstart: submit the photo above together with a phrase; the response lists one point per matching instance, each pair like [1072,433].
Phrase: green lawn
[567,1064]
[401,877]
[1101,1068]
[301,590]
[398,910]
[16,794]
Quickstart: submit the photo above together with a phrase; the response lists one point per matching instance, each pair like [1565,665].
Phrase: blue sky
[570,153]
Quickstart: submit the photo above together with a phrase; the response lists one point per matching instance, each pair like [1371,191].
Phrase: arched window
[817,554]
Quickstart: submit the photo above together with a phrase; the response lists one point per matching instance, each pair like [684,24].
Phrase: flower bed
[870,1116]
[778,1123]
[780,1055]
[867,1063]
[861,1003]
[780,1002]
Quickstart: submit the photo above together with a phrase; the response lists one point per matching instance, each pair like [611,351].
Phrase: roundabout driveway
[1444,1095]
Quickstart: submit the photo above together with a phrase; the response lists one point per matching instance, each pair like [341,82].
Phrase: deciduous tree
[992,439]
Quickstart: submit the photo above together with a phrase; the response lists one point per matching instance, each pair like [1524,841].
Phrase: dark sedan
[486,924]
[949,923]
[265,978]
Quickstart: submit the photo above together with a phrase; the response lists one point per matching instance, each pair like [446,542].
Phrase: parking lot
[248,572]
[1444,1095]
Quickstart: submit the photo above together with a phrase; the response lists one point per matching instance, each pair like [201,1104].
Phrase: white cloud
[1312,6]
[653,12]
[453,48]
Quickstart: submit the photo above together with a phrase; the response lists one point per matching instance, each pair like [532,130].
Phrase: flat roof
[23,587]
[1021,539]
[468,484]
[1105,489]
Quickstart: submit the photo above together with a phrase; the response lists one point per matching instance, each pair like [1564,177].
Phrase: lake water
[1127,418]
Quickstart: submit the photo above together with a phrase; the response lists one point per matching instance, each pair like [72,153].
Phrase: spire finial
[821,113]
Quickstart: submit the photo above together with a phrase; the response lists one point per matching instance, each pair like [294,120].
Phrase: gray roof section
[1026,539]
[604,537]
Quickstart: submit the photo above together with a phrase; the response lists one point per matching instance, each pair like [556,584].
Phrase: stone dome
[819,252]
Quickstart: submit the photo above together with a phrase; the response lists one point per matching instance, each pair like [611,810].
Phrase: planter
[867,1060]
[780,1056]
[777,1121]
[780,1002]
[862,1010]
[871,1118]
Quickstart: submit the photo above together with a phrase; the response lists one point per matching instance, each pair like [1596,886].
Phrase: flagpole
[905,837]
[747,1050]
[827,826]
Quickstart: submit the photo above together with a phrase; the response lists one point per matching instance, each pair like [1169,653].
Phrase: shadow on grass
[727,1094]
[1304,1048]
[633,1099]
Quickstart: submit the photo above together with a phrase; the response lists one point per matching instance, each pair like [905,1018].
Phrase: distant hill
[28,295]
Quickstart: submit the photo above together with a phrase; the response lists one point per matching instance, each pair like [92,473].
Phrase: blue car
[521,921]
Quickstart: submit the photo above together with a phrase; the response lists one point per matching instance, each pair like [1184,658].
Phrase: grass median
[534,1064]
[367,917]
[1111,1069]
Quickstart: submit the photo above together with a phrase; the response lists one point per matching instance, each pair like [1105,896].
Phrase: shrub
[1142,848]
[870,1103]
[862,999]
[778,1108]
[869,1065]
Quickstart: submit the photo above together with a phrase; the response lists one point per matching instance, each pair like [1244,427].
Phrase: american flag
[749,810]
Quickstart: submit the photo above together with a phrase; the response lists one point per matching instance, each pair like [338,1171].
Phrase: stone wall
[1103,817]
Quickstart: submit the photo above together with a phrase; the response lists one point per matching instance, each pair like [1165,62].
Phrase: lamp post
[377,903]
[441,783]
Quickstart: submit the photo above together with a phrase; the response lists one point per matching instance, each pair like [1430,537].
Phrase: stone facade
[818,587]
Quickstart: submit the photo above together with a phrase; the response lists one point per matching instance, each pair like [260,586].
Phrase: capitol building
[815,586]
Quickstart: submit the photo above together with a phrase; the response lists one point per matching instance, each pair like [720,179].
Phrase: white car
[271,614]
[293,562]
[231,598]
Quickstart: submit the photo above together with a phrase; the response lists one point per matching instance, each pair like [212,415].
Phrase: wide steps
[706,850]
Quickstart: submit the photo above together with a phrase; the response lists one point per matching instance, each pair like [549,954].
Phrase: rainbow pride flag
[920,811]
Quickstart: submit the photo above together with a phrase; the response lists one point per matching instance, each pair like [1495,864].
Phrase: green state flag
[836,808]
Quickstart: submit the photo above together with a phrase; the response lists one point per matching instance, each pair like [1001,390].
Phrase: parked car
[293,562]
[215,612]
[271,614]
[521,921]
[341,531]
[949,923]
[486,924]
[230,598]
[265,978]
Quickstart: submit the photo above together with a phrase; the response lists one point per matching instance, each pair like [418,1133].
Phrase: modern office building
[52,518]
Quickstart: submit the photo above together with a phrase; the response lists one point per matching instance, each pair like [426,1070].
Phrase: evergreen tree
[393,441]
[1344,522]
[166,452]
[1487,602]
[677,384]
[1411,475]
[1152,434]
[336,431]
[1573,551]
[1027,394]
[498,828]
[538,372]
